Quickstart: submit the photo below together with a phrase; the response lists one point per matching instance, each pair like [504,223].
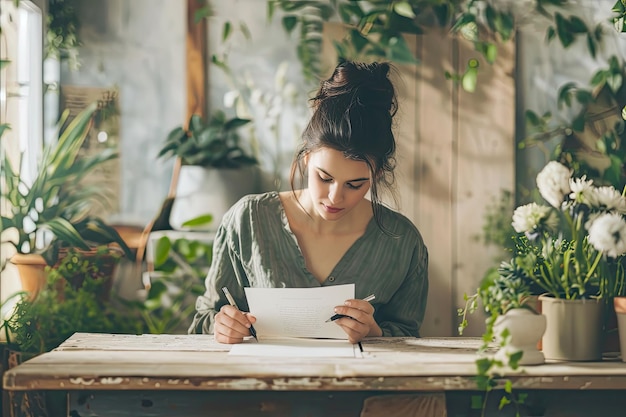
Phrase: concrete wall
[139,47]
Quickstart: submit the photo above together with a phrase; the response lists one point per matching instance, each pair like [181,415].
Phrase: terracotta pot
[107,267]
[33,276]
[619,304]
[32,272]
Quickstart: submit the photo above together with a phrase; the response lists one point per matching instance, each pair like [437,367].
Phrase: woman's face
[335,184]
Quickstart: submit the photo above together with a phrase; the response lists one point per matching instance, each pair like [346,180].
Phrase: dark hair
[353,114]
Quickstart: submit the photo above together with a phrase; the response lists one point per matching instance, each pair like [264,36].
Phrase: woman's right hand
[231,325]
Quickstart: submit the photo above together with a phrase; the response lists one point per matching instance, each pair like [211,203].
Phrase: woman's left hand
[360,321]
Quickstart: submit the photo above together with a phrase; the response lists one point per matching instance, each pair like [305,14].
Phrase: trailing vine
[375,28]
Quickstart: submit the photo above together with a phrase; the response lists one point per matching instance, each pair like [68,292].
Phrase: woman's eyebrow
[354,180]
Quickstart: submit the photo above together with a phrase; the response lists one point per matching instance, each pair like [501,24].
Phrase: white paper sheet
[297,312]
[297,348]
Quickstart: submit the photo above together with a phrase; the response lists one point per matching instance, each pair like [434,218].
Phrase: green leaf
[202,13]
[65,231]
[615,82]
[3,128]
[564,95]
[400,52]
[508,386]
[476,402]
[577,25]
[199,221]
[4,63]
[562,29]
[532,118]
[483,365]
[289,23]
[598,78]
[507,25]
[578,124]
[245,31]
[162,251]
[404,9]
[491,16]
[465,19]
[591,46]
[226,31]
[504,401]
[490,52]
[514,359]
[619,25]
[584,96]
[469,80]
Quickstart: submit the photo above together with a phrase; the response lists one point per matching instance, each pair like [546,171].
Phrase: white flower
[592,217]
[256,97]
[583,191]
[28,225]
[609,199]
[280,78]
[230,98]
[608,234]
[532,217]
[553,183]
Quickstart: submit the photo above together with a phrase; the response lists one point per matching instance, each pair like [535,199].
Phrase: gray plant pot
[574,329]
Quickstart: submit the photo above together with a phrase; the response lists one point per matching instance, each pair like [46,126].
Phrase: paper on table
[297,312]
[288,347]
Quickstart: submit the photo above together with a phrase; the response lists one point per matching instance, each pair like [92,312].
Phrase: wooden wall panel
[485,165]
[197,65]
[432,180]
[455,154]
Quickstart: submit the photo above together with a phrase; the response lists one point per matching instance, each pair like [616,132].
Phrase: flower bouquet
[576,247]
[574,251]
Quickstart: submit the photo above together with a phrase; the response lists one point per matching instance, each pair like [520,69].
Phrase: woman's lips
[331,209]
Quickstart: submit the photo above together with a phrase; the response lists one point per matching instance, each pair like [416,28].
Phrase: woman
[327,233]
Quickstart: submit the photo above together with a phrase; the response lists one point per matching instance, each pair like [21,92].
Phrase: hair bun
[366,84]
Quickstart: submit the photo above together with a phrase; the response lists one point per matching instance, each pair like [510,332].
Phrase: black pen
[340,316]
[232,302]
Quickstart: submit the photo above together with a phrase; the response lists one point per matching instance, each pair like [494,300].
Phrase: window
[21,101]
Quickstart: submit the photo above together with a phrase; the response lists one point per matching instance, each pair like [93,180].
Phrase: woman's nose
[335,193]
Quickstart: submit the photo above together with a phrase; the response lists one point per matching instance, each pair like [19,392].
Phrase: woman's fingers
[231,325]
[359,321]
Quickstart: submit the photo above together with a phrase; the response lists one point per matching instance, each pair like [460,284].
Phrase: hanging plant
[375,28]
[62,35]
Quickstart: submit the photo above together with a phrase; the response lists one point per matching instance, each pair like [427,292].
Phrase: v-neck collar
[339,266]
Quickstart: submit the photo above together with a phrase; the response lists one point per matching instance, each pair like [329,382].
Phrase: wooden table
[187,375]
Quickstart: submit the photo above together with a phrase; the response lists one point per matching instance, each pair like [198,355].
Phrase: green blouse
[254,247]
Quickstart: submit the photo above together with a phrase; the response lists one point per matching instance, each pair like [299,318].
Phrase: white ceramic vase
[526,329]
[202,191]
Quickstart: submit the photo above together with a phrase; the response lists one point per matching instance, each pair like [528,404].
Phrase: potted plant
[216,170]
[512,323]
[76,298]
[506,299]
[167,303]
[572,250]
[50,213]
